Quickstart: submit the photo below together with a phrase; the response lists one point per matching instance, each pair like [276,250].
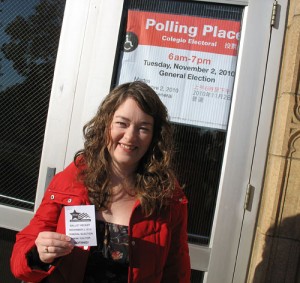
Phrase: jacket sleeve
[177,268]
[45,219]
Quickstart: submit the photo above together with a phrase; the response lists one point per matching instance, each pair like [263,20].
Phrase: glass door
[196,56]
[29,37]
[41,46]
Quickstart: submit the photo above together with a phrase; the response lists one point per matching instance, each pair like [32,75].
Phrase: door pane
[187,51]
[29,36]
[198,162]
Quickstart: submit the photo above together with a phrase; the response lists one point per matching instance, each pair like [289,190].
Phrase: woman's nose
[130,134]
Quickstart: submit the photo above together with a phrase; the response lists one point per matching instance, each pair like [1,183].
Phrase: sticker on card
[81,224]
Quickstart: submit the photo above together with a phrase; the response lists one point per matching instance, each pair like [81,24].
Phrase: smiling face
[131,133]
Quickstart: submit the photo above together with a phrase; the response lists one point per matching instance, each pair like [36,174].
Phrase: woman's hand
[51,245]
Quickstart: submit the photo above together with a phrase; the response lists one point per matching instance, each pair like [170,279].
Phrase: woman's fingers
[53,236]
[57,250]
[50,253]
[51,245]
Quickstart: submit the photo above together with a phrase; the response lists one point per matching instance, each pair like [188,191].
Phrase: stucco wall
[276,251]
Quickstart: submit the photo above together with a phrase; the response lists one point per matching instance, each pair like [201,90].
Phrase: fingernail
[68,238]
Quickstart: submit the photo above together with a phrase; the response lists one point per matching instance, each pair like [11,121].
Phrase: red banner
[185,32]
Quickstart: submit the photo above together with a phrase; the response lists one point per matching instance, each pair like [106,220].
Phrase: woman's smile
[127,148]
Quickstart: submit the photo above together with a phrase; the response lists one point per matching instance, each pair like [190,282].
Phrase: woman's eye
[121,124]
[143,129]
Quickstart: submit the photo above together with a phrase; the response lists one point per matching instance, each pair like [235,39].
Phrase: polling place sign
[189,61]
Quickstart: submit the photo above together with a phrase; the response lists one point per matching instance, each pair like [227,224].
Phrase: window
[29,40]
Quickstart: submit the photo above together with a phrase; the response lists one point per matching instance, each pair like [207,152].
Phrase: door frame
[256,177]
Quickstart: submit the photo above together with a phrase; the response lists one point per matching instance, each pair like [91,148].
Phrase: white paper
[81,224]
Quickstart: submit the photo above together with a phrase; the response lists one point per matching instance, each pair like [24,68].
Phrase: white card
[81,224]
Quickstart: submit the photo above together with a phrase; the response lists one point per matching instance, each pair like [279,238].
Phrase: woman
[141,213]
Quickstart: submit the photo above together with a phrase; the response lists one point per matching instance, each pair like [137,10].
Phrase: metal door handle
[50,174]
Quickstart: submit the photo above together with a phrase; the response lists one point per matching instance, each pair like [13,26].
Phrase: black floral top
[108,262]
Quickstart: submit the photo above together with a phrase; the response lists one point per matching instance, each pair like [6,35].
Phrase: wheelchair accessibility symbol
[131,42]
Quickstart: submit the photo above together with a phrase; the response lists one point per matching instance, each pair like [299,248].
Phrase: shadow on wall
[281,256]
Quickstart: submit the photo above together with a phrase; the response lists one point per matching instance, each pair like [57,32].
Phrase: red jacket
[158,249]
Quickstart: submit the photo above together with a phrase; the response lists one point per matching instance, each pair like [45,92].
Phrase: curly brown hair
[154,179]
